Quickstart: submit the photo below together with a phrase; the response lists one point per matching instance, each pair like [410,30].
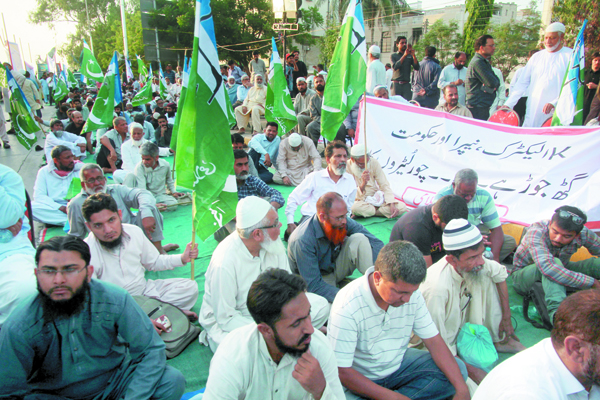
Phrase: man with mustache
[313,129]
[402,62]
[329,246]
[454,74]
[236,263]
[564,366]
[451,103]
[297,158]
[58,136]
[279,355]
[253,106]
[466,287]
[80,338]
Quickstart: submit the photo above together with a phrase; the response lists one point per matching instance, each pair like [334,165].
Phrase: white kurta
[66,139]
[49,194]
[543,77]
[125,266]
[500,93]
[230,274]
[375,75]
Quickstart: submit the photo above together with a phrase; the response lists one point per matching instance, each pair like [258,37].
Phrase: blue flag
[113,67]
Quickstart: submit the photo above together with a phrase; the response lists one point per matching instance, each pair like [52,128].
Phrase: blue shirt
[232,92]
[482,209]
[255,187]
[242,92]
[262,146]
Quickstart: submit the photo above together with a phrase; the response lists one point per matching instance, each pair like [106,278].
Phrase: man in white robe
[542,78]
[58,136]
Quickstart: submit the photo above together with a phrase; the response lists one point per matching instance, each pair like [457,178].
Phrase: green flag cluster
[279,107]
[143,96]
[101,115]
[89,66]
[61,90]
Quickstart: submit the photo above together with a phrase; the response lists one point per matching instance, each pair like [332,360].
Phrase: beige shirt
[302,102]
[155,180]
[297,164]
[458,110]
[256,97]
[377,182]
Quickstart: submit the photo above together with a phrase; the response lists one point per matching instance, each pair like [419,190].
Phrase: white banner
[529,171]
[15,56]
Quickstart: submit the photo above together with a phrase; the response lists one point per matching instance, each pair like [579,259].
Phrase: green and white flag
[347,76]
[204,160]
[89,66]
[279,107]
[101,115]
[143,96]
[60,91]
[22,120]
[71,81]
[162,85]
[230,113]
[142,70]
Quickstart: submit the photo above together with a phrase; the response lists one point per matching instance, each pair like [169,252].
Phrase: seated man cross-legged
[297,158]
[264,148]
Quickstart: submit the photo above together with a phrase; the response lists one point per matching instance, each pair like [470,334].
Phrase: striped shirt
[536,248]
[369,339]
[482,209]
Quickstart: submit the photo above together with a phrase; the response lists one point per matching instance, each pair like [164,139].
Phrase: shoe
[6,145]
[11,131]
[38,148]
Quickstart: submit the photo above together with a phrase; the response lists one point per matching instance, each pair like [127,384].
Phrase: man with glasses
[482,82]
[236,263]
[79,338]
[147,218]
[545,252]
[465,287]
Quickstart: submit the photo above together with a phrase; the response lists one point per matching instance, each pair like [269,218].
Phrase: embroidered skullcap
[250,211]
[460,234]
[555,27]
[295,140]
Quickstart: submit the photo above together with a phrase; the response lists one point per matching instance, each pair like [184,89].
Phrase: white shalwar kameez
[49,192]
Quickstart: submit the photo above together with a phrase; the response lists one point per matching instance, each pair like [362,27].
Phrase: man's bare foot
[509,346]
[192,316]
[170,247]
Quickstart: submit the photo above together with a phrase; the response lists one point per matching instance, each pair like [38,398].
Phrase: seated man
[563,366]
[162,134]
[236,263]
[76,127]
[482,212]
[466,287]
[52,185]
[154,175]
[297,158]
[16,252]
[374,195]
[121,253]
[370,326]
[277,345]
[332,179]
[57,136]
[252,106]
[451,105]
[238,143]
[302,105]
[109,155]
[313,129]
[544,255]
[80,338]
[264,149]
[147,218]
[328,247]
[424,226]
[381,92]
[147,126]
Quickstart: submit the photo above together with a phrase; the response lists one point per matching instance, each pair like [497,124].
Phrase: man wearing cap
[542,77]
[451,103]
[375,70]
[302,104]
[545,252]
[232,88]
[466,287]
[374,196]
[297,158]
[242,91]
[236,263]
[253,106]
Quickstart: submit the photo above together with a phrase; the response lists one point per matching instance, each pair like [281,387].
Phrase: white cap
[250,211]
[358,150]
[295,140]
[555,27]
[375,50]
[460,234]
[300,79]
[156,115]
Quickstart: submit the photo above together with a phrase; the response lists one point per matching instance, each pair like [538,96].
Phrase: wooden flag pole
[365,124]
[193,232]
[173,170]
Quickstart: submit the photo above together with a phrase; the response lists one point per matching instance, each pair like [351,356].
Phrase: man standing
[302,104]
[451,103]
[425,85]
[256,66]
[329,246]
[314,128]
[264,149]
[592,78]
[236,263]
[297,158]
[521,106]
[163,133]
[455,74]
[375,70]
[109,155]
[374,196]
[280,355]
[482,82]
[81,338]
[371,322]
[252,106]
[299,71]
[235,71]
[402,61]
[169,73]
[543,77]
[545,252]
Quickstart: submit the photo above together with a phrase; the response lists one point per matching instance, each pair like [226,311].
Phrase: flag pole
[173,170]
[364,118]
[193,231]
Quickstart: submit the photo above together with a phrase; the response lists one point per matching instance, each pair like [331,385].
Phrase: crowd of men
[294,321]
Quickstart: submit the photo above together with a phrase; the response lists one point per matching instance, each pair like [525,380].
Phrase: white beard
[91,192]
[271,246]
[553,48]
[339,171]
[137,143]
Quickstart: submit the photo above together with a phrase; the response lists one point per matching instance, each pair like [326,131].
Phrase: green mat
[194,362]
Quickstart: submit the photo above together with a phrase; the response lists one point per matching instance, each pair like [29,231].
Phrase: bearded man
[465,287]
[253,106]
[454,74]
[328,247]
[236,263]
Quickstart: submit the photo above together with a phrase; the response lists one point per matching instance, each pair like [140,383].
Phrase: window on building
[416,35]
[386,42]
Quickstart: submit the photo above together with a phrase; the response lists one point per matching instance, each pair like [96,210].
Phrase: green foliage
[445,38]
[572,13]
[480,12]
[328,43]
[311,20]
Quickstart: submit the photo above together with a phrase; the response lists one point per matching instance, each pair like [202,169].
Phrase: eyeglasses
[67,272]
[99,179]
[276,224]
[564,214]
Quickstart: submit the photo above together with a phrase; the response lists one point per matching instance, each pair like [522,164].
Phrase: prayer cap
[374,50]
[250,211]
[460,234]
[245,77]
[295,140]
[231,77]
[358,150]
[156,115]
[380,87]
[555,27]
[300,79]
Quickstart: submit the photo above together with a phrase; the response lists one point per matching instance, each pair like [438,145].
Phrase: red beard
[334,235]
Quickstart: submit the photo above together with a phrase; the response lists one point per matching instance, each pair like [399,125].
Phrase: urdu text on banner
[529,171]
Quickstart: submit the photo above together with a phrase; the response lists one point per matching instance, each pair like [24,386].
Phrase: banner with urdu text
[529,171]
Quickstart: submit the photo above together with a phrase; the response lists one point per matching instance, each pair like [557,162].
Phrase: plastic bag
[475,347]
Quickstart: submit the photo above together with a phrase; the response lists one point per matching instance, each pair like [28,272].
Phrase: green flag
[143,96]
[101,115]
[204,160]
[89,66]
[230,113]
[347,76]
[162,85]
[142,71]
[61,91]
[71,81]
[22,120]
[279,107]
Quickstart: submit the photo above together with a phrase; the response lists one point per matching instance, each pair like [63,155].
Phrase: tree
[572,13]
[445,38]
[328,43]
[480,12]
[310,20]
